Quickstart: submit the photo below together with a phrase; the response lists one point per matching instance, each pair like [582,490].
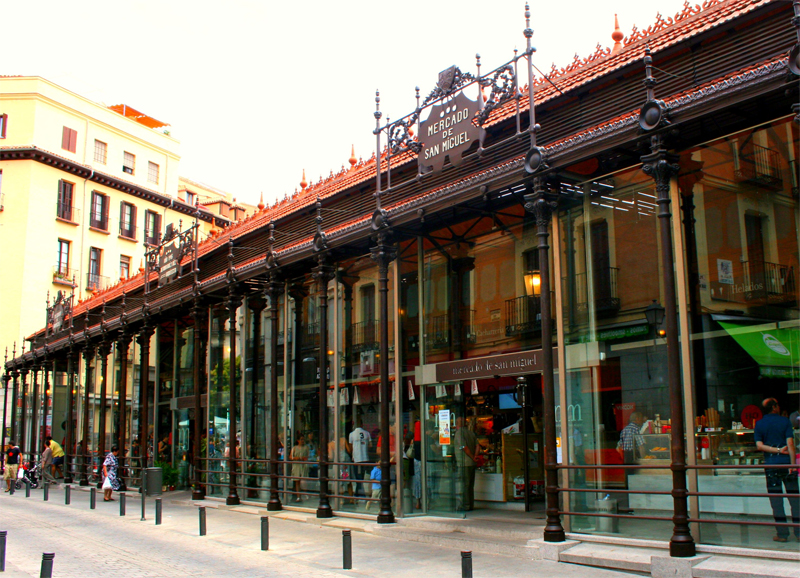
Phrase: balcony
[67,212]
[2,201]
[96,282]
[130,233]
[760,168]
[64,275]
[440,333]
[363,336]
[309,336]
[774,281]
[606,293]
[523,315]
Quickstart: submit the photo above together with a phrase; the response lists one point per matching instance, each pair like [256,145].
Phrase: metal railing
[772,279]
[364,335]
[523,315]
[128,232]
[67,212]
[96,282]
[761,167]
[64,275]
[443,331]
[606,291]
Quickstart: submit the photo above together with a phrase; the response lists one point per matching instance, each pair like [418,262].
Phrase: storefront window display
[357,383]
[616,381]
[740,225]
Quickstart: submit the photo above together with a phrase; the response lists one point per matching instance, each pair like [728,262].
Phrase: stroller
[29,473]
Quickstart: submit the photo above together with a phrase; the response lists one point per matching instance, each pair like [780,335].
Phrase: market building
[537,267]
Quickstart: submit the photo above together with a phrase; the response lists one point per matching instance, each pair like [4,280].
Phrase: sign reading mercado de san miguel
[450,129]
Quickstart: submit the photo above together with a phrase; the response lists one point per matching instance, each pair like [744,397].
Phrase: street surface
[89,543]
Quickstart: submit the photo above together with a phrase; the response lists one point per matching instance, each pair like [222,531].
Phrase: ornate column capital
[660,165]
[234,299]
[323,272]
[541,203]
[383,252]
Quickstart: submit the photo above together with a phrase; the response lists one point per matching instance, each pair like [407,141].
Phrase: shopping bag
[107,484]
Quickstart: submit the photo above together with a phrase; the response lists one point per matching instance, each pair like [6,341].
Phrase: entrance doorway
[475,436]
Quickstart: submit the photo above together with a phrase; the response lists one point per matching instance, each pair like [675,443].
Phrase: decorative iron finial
[303,182]
[617,36]
[352,160]
[377,114]
[261,202]
[535,159]
[320,240]
[654,112]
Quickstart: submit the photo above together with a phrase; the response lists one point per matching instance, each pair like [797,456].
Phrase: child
[375,476]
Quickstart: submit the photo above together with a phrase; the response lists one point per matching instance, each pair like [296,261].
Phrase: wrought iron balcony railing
[523,315]
[363,336]
[760,167]
[96,282]
[441,332]
[128,232]
[64,275]
[605,288]
[774,280]
[67,212]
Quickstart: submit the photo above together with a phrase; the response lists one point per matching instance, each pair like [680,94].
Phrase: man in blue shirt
[774,436]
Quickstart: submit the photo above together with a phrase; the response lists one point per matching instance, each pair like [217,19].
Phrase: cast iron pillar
[542,204]
[256,303]
[6,379]
[143,339]
[23,429]
[123,344]
[200,313]
[34,445]
[384,253]
[88,358]
[46,367]
[663,167]
[275,290]
[323,273]
[69,438]
[14,404]
[103,350]
[233,302]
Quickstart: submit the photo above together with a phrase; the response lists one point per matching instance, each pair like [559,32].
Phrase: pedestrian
[58,457]
[358,446]
[47,462]
[375,476]
[111,481]
[774,436]
[466,444]
[299,453]
[12,464]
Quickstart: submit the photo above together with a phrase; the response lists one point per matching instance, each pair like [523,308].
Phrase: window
[127,220]
[63,259]
[64,206]
[99,217]
[124,266]
[152,228]
[3,125]
[100,151]
[69,139]
[93,278]
[152,173]
[128,163]
[191,198]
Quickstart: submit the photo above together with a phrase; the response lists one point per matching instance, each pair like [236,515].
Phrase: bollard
[46,491]
[347,550]
[47,566]
[122,503]
[158,511]
[92,498]
[13,487]
[27,490]
[264,533]
[466,564]
[202,512]
[143,504]
[3,535]
[67,495]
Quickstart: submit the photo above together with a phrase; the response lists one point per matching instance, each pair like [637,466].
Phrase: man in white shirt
[358,445]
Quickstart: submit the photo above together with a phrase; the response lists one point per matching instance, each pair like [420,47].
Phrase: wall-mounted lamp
[654,313]
[533,283]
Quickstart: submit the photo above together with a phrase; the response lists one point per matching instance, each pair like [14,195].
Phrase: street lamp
[533,283]
[654,313]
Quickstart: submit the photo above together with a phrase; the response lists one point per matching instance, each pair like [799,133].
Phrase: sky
[258,91]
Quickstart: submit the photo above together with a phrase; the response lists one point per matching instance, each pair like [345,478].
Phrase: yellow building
[84,190]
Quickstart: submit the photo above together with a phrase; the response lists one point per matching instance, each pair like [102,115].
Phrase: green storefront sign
[777,351]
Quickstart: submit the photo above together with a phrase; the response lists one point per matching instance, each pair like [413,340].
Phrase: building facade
[576,313]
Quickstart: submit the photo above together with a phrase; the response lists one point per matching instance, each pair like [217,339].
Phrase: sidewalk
[101,542]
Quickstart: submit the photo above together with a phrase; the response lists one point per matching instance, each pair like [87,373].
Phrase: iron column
[199,313]
[233,302]
[70,433]
[275,291]
[88,357]
[662,167]
[542,206]
[123,343]
[384,253]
